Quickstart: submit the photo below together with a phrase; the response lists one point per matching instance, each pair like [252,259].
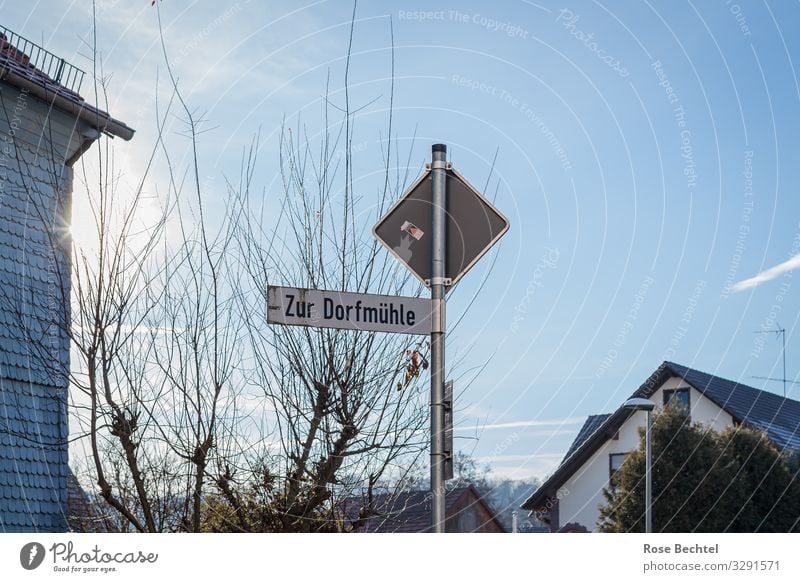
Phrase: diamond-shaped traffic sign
[473,226]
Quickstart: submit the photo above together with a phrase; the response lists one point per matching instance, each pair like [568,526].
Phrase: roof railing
[29,53]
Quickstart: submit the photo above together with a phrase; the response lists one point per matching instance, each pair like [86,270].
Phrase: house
[83,516]
[45,126]
[466,511]
[570,498]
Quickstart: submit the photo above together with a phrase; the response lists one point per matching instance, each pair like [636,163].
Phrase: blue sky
[646,159]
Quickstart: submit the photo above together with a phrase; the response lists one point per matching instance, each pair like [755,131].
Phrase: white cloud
[548,457]
[768,275]
[528,423]
[524,467]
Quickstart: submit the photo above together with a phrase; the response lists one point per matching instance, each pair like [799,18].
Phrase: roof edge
[550,487]
[98,119]
[568,466]
[712,397]
[656,380]
[582,454]
[487,506]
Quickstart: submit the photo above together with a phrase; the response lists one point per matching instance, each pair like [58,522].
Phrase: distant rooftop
[410,511]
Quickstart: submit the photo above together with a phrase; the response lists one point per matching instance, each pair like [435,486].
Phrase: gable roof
[83,516]
[410,511]
[776,416]
[591,424]
[20,70]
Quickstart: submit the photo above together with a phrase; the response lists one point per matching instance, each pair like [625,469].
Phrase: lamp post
[646,405]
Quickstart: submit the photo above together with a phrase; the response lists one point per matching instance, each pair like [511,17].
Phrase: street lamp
[647,406]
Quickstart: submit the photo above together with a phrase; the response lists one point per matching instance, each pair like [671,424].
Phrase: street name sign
[473,225]
[354,311]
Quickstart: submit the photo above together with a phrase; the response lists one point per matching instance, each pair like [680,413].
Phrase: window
[677,398]
[615,461]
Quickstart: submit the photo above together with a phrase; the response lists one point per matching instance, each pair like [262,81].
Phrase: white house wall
[703,409]
[43,129]
[582,495]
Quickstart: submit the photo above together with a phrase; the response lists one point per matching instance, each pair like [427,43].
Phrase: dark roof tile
[407,512]
[591,424]
[776,416]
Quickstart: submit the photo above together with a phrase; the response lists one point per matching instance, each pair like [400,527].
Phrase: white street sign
[355,311]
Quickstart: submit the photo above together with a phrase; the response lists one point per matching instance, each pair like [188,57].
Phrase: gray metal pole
[783,331]
[648,479]
[439,242]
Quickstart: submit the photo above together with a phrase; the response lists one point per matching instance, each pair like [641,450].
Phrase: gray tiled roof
[34,275]
[34,347]
[33,458]
[592,423]
[777,416]
[84,515]
[45,127]
[407,512]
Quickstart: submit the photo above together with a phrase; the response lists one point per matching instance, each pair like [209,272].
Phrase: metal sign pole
[414,230]
[439,256]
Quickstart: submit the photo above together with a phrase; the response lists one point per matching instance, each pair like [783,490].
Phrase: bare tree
[151,334]
[168,334]
[346,407]
[349,416]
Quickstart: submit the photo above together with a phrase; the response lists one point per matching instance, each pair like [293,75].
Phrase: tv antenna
[779,332]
